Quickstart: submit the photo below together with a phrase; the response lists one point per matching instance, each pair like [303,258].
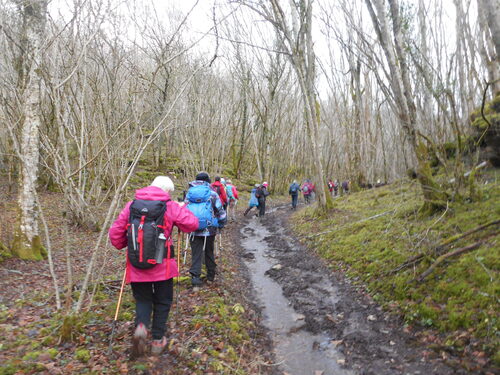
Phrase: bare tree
[26,243]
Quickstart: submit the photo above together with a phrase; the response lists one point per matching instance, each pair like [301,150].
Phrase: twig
[483,116]
[484,267]
[30,272]
[468,233]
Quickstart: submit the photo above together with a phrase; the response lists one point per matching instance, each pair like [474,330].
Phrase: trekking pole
[185,249]
[179,239]
[110,349]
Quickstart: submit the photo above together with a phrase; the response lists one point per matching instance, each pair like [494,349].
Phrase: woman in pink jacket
[152,287]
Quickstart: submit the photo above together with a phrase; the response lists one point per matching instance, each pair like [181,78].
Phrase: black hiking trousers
[155,297]
[295,198]
[197,245]
[262,207]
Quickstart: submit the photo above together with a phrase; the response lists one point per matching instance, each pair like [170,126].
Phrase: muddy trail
[318,323]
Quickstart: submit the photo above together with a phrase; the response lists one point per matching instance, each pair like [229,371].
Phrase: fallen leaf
[372,318]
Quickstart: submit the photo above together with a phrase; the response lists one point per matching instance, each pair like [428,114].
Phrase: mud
[318,322]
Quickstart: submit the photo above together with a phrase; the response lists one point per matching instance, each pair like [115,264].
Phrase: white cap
[164,183]
[222,181]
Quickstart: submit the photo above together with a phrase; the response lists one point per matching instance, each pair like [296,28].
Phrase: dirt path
[318,322]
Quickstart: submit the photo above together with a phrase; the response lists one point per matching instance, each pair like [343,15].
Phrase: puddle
[297,351]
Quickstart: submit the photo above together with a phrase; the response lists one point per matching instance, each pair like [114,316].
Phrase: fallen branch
[468,233]
[467,174]
[23,273]
[442,258]
[418,258]
[356,222]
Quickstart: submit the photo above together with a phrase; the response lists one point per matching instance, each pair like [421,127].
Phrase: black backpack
[145,233]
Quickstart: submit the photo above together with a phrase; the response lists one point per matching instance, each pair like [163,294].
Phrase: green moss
[8,369]
[72,326]
[25,249]
[52,352]
[31,356]
[491,112]
[5,252]
[83,355]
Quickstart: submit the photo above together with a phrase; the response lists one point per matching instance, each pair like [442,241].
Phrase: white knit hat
[164,183]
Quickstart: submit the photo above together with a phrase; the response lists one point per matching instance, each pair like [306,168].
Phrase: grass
[461,295]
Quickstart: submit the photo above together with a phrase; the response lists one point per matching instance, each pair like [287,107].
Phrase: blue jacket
[297,189]
[219,211]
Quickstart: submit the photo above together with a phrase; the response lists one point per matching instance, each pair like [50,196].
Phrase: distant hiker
[345,186]
[294,193]
[145,226]
[261,194]
[254,201]
[220,189]
[307,189]
[205,203]
[232,195]
[330,186]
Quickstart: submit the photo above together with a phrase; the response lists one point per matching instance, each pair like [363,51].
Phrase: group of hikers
[144,227]
[308,190]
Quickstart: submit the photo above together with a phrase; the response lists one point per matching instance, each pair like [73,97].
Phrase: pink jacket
[176,215]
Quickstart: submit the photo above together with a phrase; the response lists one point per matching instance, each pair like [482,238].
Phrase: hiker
[330,186]
[143,223]
[307,191]
[336,187]
[220,189]
[345,186]
[232,195]
[205,203]
[254,201]
[261,194]
[293,191]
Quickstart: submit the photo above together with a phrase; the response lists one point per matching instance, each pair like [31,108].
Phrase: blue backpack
[200,205]
[229,192]
[253,202]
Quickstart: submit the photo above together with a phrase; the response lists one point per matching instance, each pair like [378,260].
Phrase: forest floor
[213,330]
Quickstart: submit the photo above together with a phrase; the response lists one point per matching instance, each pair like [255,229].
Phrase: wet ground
[318,323]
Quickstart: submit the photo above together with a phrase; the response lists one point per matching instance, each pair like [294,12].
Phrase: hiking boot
[196,281]
[139,340]
[158,346]
[210,278]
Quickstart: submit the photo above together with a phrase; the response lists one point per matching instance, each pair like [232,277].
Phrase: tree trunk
[434,197]
[26,243]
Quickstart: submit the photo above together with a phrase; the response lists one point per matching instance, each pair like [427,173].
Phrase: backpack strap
[140,238]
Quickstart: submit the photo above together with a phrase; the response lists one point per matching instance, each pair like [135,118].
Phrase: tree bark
[26,243]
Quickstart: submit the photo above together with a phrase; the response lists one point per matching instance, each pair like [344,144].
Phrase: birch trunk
[26,243]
